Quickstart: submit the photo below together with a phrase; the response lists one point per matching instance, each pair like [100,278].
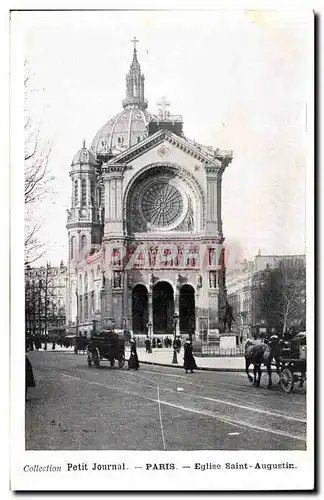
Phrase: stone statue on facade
[117,279]
[103,278]
[151,280]
[178,281]
[212,279]
[129,280]
[199,281]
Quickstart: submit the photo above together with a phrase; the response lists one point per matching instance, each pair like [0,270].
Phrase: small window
[83,192]
[119,140]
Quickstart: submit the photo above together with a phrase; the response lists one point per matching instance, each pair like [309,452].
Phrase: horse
[258,354]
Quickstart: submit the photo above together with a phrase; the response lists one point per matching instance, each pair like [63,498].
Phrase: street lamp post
[175,320]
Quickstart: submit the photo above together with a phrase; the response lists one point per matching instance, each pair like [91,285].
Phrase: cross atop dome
[134,41]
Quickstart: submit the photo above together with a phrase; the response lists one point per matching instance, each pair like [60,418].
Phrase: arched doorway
[163,308]
[139,309]
[187,316]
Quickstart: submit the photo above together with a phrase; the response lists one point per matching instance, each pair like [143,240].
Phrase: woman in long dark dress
[189,360]
[30,381]
[133,363]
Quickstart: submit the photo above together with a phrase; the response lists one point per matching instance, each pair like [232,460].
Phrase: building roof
[84,157]
[122,131]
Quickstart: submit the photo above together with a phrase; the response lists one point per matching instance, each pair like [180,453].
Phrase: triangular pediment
[165,136]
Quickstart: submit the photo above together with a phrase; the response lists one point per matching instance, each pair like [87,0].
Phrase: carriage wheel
[112,362]
[121,361]
[96,358]
[89,360]
[286,380]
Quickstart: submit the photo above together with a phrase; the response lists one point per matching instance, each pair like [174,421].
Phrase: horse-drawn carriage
[292,362]
[287,356]
[106,346]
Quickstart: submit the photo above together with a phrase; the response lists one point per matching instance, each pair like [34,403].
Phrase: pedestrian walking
[148,346]
[53,346]
[133,363]
[189,360]
[29,376]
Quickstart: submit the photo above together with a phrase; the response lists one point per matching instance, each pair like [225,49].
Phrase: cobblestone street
[74,407]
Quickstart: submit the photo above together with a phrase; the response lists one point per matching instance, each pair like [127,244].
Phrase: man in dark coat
[133,363]
[189,360]
[148,346]
[29,376]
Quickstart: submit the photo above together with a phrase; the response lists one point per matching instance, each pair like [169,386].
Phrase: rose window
[162,204]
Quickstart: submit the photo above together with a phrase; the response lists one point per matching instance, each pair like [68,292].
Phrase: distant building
[45,299]
[244,286]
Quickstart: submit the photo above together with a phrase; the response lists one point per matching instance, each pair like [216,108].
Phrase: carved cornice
[76,225]
[159,137]
[115,168]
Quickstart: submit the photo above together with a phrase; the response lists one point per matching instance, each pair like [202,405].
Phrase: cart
[292,363]
[107,346]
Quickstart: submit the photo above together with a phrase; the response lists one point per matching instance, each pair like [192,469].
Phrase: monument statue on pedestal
[228,316]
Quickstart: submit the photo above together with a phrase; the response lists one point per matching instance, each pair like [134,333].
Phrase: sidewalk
[163,357]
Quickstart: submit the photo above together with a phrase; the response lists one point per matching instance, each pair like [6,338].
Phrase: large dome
[122,131]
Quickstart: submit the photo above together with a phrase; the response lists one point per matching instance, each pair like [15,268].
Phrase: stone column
[211,212]
[150,307]
[176,309]
[219,203]
[103,304]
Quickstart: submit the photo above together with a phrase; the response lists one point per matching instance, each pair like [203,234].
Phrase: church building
[145,225]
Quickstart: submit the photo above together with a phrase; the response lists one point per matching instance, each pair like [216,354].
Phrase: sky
[240,79]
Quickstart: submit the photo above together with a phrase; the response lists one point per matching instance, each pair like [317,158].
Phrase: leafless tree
[281,295]
[38,178]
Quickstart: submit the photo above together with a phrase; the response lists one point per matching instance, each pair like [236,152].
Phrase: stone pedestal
[227,342]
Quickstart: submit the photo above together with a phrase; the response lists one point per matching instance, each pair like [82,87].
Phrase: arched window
[83,242]
[98,272]
[72,248]
[92,304]
[83,192]
[92,191]
[92,279]
[76,190]
[86,282]
[138,139]
[119,140]
[86,307]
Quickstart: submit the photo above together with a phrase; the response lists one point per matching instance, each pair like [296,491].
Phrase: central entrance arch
[187,313]
[140,309]
[163,308]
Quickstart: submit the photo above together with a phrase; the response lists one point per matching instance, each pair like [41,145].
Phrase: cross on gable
[164,104]
[134,41]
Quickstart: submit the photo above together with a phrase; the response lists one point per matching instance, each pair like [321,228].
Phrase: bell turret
[135,84]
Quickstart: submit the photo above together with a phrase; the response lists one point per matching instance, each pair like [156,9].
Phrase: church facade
[145,225]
